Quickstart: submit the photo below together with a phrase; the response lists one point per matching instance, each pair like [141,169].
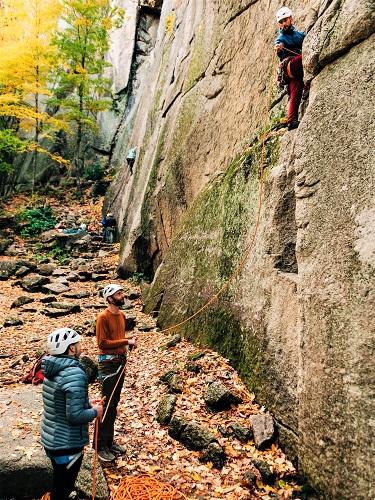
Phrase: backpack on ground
[35,375]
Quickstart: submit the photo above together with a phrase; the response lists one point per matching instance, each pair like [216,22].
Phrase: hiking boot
[293,124]
[105,455]
[117,449]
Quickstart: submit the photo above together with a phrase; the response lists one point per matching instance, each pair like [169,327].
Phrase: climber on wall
[288,47]
[130,158]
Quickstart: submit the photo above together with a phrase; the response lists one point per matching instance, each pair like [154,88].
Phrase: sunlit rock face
[298,319]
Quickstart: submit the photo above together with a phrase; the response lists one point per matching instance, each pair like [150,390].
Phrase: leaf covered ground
[150,450]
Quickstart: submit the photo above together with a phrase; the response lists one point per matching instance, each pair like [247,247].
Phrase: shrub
[31,222]
[95,173]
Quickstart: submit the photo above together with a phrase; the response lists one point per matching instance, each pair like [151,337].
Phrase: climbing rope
[291,51]
[250,247]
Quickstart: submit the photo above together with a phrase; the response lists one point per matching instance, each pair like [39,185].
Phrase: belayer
[288,47]
[67,409]
[108,225]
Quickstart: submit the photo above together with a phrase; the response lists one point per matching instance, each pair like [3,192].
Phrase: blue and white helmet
[59,340]
[110,290]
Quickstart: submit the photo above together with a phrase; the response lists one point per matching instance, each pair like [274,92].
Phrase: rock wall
[298,319]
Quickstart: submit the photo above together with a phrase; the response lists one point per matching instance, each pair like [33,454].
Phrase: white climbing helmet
[110,290]
[59,340]
[283,13]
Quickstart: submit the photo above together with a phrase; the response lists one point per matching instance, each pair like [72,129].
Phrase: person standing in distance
[288,47]
[67,409]
[113,348]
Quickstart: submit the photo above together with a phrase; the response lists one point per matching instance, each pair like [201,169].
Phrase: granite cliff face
[298,320]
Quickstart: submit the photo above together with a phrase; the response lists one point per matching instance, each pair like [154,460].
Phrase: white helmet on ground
[110,290]
[59,340]
[283,13]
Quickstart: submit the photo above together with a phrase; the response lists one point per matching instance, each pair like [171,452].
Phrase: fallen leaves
[151,450]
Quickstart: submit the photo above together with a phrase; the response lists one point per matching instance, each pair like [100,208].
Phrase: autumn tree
[27,58]
[82,42]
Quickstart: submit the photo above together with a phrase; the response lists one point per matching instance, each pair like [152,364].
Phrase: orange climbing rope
[145,487]
[242,263]
[292,52]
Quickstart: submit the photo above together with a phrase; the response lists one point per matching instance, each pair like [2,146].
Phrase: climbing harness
[285,74]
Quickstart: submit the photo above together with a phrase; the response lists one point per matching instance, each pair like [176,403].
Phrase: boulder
[6,221]
[26,463]
[172,342]
[263,429]
[241,432]
[176,426]
[249,479]
[7,269]
[190,366]
[81,294]
[49,236]
[21,301]
[175,384]
[165,409]
[130,321]
[61,279]
[46,269]
[13,251]
[55,288]
[72,277]
[22,271]
[196,437]
[57,309]
[34,283]
[59,272]
[54,313]
[27,263]
[265,471]
[128,305]
[219,397]
[90,365]
[13,322]
[4,244]
[214,454]
[47,299]
[166,376]
[144,327]
[84,480]
[66,306]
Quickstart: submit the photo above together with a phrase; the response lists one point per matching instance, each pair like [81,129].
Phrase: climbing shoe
[293,124]
[305,92]
[105,455]
[117,449]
